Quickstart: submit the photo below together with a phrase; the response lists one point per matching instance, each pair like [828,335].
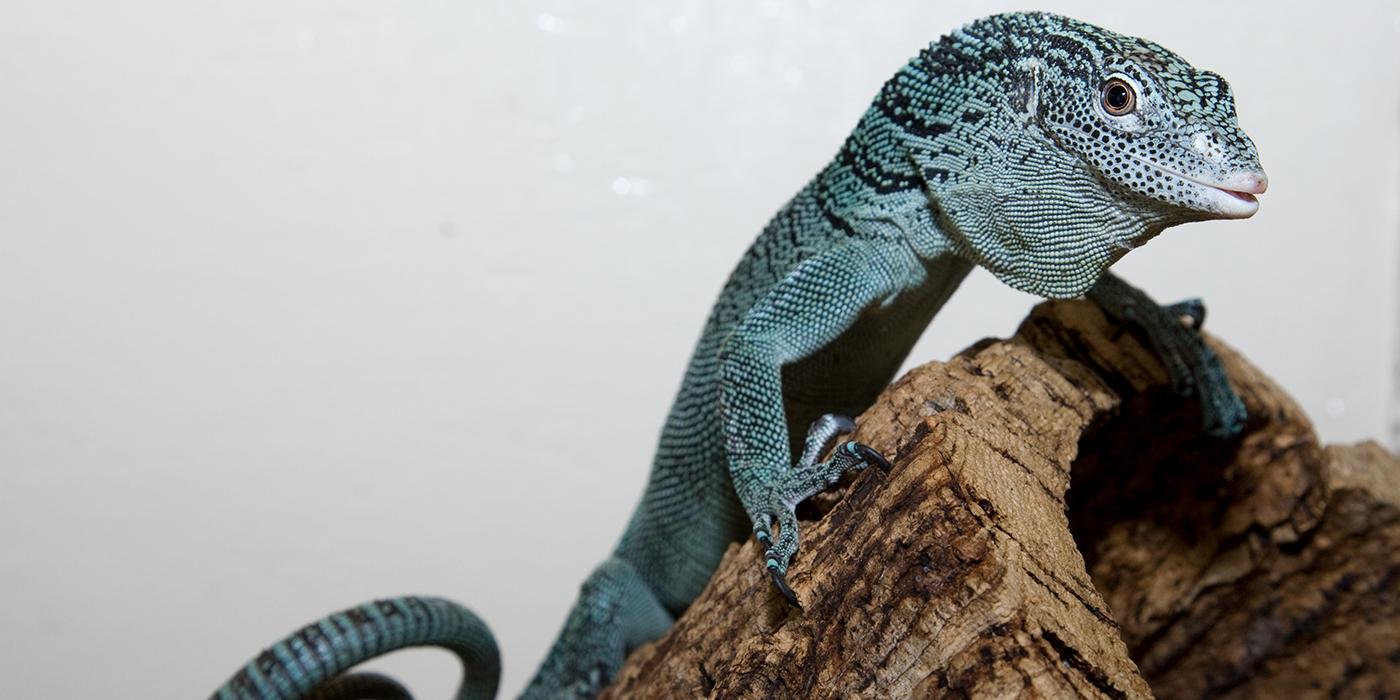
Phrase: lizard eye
[1118,97]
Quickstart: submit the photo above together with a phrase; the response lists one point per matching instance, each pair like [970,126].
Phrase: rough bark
[1177,565]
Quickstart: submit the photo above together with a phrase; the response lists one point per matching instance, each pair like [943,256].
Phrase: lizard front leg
[809,308]
[1193,367]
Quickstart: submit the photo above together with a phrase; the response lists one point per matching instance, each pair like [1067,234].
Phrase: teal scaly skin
[1036,146]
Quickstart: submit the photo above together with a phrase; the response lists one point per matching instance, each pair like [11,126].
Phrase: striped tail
[301,665]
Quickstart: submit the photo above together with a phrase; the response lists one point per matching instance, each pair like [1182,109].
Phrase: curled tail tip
[313,660]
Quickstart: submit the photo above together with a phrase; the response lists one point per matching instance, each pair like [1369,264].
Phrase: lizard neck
[928,127]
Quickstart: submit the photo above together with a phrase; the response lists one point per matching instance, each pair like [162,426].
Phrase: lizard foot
[1194,368]
[806,479]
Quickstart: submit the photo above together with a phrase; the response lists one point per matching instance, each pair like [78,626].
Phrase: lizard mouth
[1231,197]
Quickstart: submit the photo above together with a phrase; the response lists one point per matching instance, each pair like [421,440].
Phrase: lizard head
[1160,134]
[1050,148]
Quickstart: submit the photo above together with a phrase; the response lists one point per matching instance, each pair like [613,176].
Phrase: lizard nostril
[1253,183]
[1207,145]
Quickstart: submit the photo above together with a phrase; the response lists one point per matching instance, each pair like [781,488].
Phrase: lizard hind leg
[616,612]
[806,479]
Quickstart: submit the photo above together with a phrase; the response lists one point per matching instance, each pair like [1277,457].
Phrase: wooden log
[1177,564]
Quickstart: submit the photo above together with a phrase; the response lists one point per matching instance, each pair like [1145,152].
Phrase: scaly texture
[1262,566]
[1036,146]
[309,662]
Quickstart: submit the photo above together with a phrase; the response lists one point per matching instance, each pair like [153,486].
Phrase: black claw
[780,580]
[869,454]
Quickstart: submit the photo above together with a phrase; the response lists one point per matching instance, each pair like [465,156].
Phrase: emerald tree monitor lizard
[1036,146]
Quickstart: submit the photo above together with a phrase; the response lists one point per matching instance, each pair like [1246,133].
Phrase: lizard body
[1033,145]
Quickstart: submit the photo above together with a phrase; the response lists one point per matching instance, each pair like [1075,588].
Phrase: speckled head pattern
[1179,144]
[1049,147]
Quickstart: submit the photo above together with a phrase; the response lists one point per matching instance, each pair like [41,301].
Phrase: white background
[305,303]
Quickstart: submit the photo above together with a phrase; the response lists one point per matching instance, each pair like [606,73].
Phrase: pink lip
[1244,185]
[1237,189]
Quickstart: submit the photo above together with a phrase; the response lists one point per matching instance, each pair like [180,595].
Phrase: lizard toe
[780,582]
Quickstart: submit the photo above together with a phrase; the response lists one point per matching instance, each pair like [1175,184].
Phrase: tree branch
[1179,564]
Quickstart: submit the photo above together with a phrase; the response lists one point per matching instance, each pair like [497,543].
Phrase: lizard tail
[309,662]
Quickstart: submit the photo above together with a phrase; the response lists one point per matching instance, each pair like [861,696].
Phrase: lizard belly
[846,375]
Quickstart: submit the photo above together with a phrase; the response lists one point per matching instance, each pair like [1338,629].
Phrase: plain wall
[306,303]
